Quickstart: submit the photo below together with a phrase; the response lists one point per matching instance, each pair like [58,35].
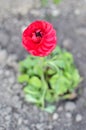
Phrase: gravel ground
[69,19]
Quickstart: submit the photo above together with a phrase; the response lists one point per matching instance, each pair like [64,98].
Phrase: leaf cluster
[44,2]
[60,78]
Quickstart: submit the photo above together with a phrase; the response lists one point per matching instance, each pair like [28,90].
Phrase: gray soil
[69,19]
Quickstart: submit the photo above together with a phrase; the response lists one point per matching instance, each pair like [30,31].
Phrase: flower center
[37,36]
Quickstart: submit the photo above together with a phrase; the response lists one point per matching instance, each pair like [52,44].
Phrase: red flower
[39,38]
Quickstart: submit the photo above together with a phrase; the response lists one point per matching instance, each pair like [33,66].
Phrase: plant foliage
[53,78]
[44,2]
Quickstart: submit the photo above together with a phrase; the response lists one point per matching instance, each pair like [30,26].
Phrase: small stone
[22,127]
[23,9]
[1,72]
[50,127]
[19,121]
[7,73]
[12,58]
[55,116]
[78,118]
[15,100]
[7,117]
[9,109]
[68,115]
[11,61]
[67,44]
[11,80]
[3,39]
[81,31]
[16,116]
[70,106]
[79,55]
[60,109]
[77,12]
[3,56]
[25,122]
[35,12]
[40,126]
[55,12]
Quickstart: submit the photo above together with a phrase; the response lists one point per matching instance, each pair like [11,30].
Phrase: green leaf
[50,109]
[31,99]
[23,78]
[30,90]
[25,63]
[76,77]
[44,2]
[35,81]
[54,79]
[49,96]
[53,66]
[30,72]
[60,63]
[37,70]
[68,75]
[58,49]
[29,62]
[63,85]
[56,1]
[68,56]
[50,72]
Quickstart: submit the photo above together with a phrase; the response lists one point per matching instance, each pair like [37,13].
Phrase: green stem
[43,82]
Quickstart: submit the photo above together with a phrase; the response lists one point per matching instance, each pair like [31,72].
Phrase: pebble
[11,61]
[3,39]
[16,88]
[35,12]
[9,109]
[55,12]
[77,12]
[19,121]
[5,112]
[50,127]
[1,128]
[79,55]
[16,116]
[1,71]
[16,102]
[22,7]
[12,58]
[67,44]
[40,126]
[60,109]
[70,106]
[81,31]
[11,80]
[25,122]
[3,56]
[68,115]
[22,127]
[7,72]
[8,117]
[78,118]
[55,116]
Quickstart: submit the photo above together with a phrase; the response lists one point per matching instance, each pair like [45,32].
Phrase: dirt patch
[69,20]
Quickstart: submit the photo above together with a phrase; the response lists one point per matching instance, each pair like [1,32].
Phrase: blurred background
[69,19]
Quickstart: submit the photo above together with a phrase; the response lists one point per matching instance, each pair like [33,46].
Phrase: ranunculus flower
[39,38]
